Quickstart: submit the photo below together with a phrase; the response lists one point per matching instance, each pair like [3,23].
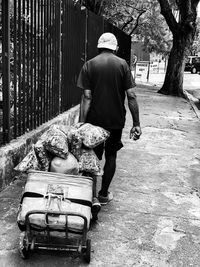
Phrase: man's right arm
[85,105]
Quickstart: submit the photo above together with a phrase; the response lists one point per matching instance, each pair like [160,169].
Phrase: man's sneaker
[96,207]
[104,200]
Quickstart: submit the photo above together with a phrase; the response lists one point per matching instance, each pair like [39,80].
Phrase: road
[191,81]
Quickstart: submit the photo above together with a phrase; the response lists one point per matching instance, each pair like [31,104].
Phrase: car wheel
[193,70]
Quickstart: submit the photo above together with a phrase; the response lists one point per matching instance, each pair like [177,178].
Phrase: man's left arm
[135,131]
[85,105]
[129,84]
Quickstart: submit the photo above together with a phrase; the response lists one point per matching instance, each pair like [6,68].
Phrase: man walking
[106,80]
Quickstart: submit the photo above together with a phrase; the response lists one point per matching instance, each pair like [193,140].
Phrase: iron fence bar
[50,34]
[35,64]
[6,69]
[53,58]
[15,69]
[50,63]
[63,31]
[67,49]
[47,57]
[32,70]
[24,105]
[71,99]
[56,89]
[38,65]
[28,66]
[86,35]
[59,56]
[48,60]
[47,71]
[50,88]
[19,68]
[41,64]
[58,30]
[43,56]
[56,60]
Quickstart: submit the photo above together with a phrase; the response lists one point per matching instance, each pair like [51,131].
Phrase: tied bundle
[68,151]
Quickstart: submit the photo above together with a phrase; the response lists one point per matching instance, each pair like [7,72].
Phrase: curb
[191,99]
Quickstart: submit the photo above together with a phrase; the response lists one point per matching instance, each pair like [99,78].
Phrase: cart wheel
[87,252]
[24,248]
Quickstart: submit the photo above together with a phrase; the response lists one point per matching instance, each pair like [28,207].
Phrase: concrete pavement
[154,219]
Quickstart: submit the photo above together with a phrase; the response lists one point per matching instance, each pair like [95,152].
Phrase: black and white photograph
[100,133]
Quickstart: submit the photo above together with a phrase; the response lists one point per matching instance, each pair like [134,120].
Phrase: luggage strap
[74,200]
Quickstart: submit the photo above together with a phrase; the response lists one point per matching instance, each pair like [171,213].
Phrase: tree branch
[137,22]
[128,22]
[195,2]
[166,11]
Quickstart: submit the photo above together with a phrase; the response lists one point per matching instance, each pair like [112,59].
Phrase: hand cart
[55,220]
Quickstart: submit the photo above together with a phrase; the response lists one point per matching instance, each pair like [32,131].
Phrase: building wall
[138,50]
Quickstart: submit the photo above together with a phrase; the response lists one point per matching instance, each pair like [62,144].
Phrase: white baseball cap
[107,40]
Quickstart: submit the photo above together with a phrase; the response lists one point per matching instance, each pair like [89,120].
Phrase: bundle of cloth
[67,150]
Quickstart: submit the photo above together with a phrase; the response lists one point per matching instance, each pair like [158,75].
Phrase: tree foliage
[154,31]
[195,48]
[137,18]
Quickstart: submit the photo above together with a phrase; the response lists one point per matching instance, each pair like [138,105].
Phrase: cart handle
[51,213]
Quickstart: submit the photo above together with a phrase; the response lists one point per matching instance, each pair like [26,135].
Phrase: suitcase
[55,203]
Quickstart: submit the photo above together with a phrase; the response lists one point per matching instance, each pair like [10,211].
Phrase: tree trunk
[173,83]
[183,36]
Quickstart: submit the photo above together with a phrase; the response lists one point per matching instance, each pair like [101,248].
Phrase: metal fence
[44,45]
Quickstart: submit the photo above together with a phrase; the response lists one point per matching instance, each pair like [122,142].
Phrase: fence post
[60,55]
[6,69]
[86,35]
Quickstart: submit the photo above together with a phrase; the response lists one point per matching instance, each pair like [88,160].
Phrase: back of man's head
[107,41]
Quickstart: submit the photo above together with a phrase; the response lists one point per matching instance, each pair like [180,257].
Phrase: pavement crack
[175,229]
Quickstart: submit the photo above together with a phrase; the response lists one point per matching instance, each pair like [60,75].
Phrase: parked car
[192,64]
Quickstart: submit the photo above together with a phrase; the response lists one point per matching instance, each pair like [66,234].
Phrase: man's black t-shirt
[108,77]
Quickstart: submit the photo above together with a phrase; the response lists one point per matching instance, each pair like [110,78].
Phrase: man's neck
[107,51]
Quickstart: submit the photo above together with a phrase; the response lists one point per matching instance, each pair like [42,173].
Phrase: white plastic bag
[68,166]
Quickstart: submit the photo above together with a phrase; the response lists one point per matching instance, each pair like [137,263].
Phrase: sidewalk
[154,219]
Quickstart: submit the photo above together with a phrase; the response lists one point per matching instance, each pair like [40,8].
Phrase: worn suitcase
[55,202]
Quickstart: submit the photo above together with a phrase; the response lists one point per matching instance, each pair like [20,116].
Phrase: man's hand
[135,132]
